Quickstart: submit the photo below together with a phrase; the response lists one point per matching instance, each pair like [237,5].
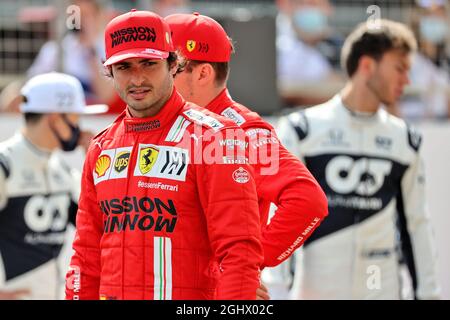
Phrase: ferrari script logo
[147,158]
[190,45]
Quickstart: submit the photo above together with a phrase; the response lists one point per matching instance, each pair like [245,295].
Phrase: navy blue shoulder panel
[300,124]
[4,165]
[414,138]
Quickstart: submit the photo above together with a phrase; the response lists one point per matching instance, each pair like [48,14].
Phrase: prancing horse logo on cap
[190,45]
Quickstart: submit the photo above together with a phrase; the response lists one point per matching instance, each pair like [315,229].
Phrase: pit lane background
[436,150]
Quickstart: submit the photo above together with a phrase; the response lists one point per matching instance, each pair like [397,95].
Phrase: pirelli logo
[162,162]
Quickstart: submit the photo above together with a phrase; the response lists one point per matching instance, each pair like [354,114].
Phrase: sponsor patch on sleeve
[232,114]
[241,175]
[202,118]
[257,132]
[260,136]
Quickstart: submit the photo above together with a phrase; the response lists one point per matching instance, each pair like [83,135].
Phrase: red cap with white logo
[200,37]
[137,34]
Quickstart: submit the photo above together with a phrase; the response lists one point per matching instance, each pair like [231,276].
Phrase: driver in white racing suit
[38,191]
[369,164]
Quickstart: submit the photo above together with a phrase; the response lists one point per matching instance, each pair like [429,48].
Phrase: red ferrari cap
[137,34]
[200,37]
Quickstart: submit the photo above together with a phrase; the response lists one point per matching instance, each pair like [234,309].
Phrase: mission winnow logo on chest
[130,213]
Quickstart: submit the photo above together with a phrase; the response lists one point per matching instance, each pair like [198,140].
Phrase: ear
[367,65]
[173,69]
[52,117]
[205,74]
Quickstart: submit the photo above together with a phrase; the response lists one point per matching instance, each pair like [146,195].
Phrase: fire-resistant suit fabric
[281,179]
[162,215]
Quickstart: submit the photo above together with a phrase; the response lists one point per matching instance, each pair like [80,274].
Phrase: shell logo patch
[147,158]
[190,45]
[102,165]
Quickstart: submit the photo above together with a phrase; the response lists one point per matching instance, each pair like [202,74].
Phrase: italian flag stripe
[177,130]
[162,268]
[168,264]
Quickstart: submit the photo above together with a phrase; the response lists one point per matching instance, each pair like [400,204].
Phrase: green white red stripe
[162,268]
[176,132]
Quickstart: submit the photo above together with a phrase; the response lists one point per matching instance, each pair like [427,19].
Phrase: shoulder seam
[301,132]
[4,165]
[414,137]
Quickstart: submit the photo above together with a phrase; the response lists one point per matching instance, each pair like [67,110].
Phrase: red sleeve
[228,196]
[285,181]
[83,277]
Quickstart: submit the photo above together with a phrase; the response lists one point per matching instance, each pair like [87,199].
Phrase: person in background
[429,97]
[307,51]
[301,204]
[165,8]
[369,163]
[79,54]
[38,191]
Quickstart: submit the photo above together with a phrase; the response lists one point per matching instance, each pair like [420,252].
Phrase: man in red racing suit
[162,215]
[280,177]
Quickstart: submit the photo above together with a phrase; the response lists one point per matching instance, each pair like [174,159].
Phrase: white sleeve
[76,185]
[420,230]
[278,280]
[288,135]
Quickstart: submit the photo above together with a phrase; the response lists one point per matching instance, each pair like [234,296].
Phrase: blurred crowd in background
[287,51]
[38,36]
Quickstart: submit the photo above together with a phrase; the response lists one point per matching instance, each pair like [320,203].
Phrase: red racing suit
[158,219]
[281,179]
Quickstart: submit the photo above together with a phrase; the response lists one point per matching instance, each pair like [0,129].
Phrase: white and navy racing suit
[38,196]
[370,167]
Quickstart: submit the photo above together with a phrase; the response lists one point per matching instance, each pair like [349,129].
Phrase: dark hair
[32,118]
[171,59]
[222,69]
[374,39]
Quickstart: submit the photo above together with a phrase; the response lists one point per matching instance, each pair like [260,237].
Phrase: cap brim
[146,53]
[95,109]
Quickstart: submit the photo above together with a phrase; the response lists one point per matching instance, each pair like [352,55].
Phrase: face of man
[184,82]
[66,131]
[145,85]
[390,76]
[60,124]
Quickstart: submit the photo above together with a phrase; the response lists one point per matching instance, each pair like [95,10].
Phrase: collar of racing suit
[359,117]
[35,156]
[163,118]
[222,101]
